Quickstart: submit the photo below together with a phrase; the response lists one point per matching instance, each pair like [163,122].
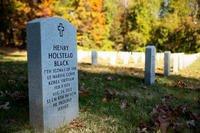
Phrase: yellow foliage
[96,5]
[90,20]
[45,10]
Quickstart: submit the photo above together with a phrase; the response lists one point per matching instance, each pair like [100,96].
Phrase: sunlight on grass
[96,113]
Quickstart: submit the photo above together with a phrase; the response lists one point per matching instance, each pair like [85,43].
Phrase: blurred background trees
[127,25]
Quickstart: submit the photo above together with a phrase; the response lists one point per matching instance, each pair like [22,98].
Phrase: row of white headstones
[178,60]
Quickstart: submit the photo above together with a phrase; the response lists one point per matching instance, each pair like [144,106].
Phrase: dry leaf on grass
[124,104]
[83,91]
[165,116]
[180,84]
[163,123]
[76,124]
[110,93]
[104,100]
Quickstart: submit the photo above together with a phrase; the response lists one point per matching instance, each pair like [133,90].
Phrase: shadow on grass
[141,99]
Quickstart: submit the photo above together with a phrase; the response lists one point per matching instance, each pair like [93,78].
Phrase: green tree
[143,18]
[178,30]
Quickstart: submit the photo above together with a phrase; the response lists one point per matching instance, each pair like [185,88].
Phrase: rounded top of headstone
[150,47]
[55,18]
[46,19]
[167,51]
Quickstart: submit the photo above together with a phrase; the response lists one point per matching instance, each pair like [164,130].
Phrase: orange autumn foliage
[91,23]
[44,9]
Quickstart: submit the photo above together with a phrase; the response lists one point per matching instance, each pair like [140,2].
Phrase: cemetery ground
[111,99]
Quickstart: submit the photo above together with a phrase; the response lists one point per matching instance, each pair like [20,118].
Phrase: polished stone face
[52,73]
[150,54]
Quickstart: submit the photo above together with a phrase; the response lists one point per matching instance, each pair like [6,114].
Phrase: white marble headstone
[180,61]
[113,58]
[150,57]
[167,55]
[135,56]
[124,56]
[175,63]
[94,57]
[52,73]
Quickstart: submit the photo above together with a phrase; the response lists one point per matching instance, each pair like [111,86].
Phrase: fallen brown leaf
[109,94]
[180,84]
[124,104]
[164,123]
[76,124]
[104,100]
[83,91]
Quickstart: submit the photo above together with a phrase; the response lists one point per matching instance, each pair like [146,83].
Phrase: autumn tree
[143,16]
[91,23]
[178,28]
[127,25]
[14,16]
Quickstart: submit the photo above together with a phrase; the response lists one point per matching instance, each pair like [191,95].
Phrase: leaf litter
[76,124]
[166,117]
[83,91]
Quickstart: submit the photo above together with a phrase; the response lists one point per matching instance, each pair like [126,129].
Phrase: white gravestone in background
[143,57]
[52,73]
[180,61]
[175,63]
[124,56]
[150,55]
[94,57]
[113,58]
[167,55]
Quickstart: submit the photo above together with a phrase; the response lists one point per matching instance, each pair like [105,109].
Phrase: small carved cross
[60,29]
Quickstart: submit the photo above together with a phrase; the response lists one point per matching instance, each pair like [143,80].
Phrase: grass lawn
[112,99]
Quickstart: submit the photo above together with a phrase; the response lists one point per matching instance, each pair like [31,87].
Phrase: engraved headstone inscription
[52,73]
